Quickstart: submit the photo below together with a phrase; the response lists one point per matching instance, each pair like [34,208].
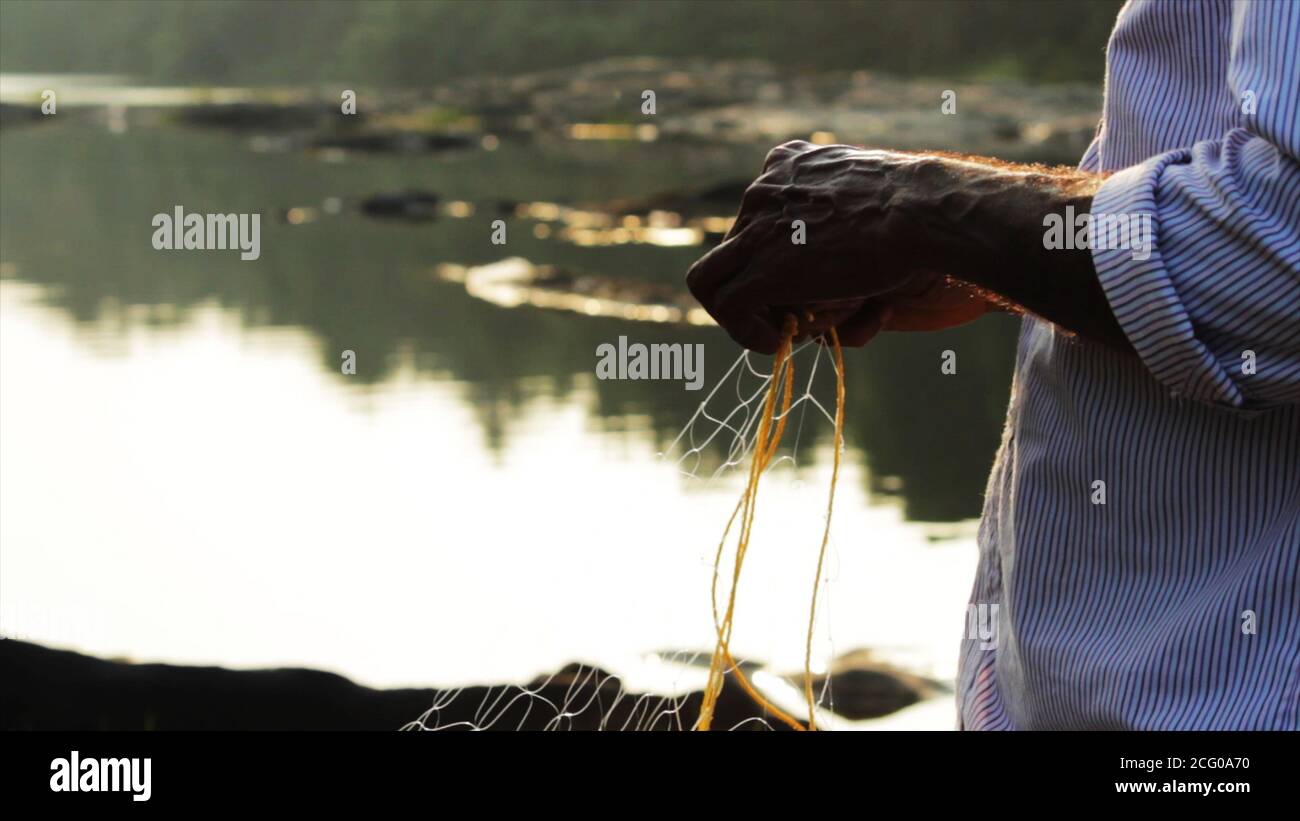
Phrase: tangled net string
[583,697]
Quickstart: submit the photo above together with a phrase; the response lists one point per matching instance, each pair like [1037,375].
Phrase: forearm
[883,229]
[995,214]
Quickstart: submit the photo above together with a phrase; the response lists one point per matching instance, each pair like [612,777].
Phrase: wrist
[998,243]
[1008,254]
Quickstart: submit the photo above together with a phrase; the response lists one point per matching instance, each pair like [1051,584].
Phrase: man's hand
[896,241]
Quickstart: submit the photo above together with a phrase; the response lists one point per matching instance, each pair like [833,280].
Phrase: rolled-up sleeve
[1212,305]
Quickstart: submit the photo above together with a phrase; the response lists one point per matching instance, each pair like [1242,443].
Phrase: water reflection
[205,493]
[188,475]
[76,210]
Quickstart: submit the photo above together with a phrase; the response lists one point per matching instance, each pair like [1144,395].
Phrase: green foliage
[419,42]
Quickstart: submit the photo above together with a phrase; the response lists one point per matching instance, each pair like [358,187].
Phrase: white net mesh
[718,438]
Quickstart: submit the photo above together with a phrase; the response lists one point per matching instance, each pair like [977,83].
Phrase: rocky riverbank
[716,101]
[47,689]
[754,101]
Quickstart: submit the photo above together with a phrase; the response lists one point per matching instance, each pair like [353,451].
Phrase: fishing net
[740,425]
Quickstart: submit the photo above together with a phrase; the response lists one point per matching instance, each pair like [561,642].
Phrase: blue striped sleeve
[1213,305]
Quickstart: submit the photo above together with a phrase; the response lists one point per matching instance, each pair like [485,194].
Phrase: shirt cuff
[1143,293]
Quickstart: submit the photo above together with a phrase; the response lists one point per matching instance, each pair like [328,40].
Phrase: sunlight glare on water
[302,522]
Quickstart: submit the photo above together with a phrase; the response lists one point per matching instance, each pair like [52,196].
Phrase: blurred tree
[417,42]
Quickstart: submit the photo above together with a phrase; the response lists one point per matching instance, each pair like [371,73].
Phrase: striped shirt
[1140,545]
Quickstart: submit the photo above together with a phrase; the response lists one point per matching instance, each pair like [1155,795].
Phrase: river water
[188,476]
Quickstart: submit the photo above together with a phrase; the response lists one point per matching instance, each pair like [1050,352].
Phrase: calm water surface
[188,477]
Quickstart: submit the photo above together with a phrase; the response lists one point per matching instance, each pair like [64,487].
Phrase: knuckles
[853,199]
[786,151]
[694,280]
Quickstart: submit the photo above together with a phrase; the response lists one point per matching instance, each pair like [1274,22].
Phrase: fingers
[732,281]
[752,331]
[785,151]
[713,270]
[760,199]
[863,326]
[714,280]
[818,318]
[945,305]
